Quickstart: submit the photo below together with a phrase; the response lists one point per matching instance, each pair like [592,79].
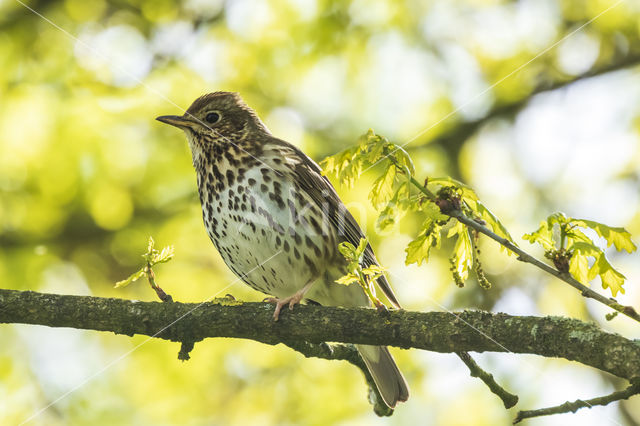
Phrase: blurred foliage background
[86,175]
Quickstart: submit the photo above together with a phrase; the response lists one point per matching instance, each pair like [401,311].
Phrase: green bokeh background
[86,175]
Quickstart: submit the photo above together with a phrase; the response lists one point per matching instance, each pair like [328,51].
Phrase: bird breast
[268,231]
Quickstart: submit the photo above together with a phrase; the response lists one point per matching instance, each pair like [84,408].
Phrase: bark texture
[475,331]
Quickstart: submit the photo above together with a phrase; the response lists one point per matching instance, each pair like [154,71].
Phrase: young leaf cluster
[572,251]
[395,192]
[356,273]
[152,257]
[439,200]
[391,191]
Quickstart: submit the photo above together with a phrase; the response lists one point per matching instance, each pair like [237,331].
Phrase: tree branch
[574,406]
[523,256]
[435,331]
[508,399]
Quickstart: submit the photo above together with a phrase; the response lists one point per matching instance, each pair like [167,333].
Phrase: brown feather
[323,193]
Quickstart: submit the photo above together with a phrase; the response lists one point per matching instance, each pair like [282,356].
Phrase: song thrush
[275,219]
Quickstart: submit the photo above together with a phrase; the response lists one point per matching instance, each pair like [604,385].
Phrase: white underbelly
[260,240]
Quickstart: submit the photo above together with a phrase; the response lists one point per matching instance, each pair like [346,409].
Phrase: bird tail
[386,375]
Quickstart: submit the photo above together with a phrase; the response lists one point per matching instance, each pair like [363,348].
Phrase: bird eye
[212,117]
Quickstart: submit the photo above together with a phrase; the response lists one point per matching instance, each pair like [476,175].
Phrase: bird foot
[280,303]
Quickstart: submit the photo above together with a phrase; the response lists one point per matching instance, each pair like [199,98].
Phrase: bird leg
[292,300]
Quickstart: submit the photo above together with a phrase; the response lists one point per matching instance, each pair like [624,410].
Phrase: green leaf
[150,250]
[579,267]
[373,270]
[347,250]
[345,165]
[458,228]
[619,237]
[164,256]
[152,257]
[382,189]
[611,278]
[350,173]
[463,254]
[352,254]
[403,158]
[470,198]
[418,249]
[433,212]
[349,164]
[376,145]
[543,236]
[131,278]
[557,218]
[585,248]
[362,245]
[347,279]
[576,235]
[388,217]
[151,244]
[493,222]
[364,277]
[396,208]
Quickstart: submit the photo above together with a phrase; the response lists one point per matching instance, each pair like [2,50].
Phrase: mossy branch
[434,331]
[308,327]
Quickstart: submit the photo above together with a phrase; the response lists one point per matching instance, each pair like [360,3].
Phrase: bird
[276,220]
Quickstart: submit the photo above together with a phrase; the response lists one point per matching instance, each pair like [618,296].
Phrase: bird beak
[179,121]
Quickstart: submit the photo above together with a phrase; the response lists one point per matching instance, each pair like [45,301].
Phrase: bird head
[216,117]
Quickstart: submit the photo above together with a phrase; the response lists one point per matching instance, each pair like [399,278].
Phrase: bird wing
[322,192]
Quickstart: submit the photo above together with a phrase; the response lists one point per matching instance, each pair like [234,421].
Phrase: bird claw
[292,300]
[276,312]
[280,303]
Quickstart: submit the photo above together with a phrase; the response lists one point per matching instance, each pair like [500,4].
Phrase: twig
[185,348]
[508,399]
[564,276]
[523,256]
[574,406]
[152,282]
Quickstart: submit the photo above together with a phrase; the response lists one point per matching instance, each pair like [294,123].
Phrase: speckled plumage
[274,218]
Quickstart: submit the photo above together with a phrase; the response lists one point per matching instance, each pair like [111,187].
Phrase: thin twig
[508,399]
[564,276]
[523,256]
[151,276]
[574,406]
